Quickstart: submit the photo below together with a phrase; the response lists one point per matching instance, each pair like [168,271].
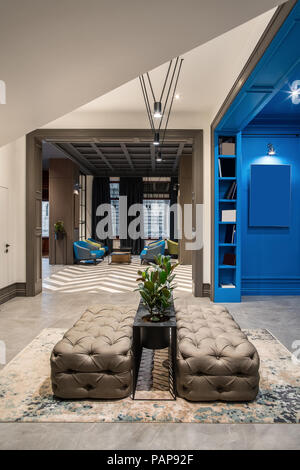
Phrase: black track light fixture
[156,139]
[157,110]
[162,106]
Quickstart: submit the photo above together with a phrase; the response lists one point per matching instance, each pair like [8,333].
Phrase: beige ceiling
[58,55]
[208,73]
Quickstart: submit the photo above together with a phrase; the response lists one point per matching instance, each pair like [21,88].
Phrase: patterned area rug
[26,396]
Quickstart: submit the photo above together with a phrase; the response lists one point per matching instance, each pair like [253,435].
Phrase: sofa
[84,253]
[152,250]
[215,360]
[93,359]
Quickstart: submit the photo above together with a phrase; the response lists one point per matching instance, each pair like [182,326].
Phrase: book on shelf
[220,168]
[228,286]
[227,146]
[227,167]
[229,259]
[230,234]
[231,192]
[228,215]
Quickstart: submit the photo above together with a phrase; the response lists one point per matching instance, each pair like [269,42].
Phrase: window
[45,219]
[114,199]
[156,219]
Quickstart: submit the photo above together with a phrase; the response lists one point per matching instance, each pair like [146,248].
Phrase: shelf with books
[227,200]
[227,244]
[227,250]
[226,266]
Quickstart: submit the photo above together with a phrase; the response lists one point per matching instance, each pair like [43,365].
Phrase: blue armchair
[83,252]
[98,245]
[152,250]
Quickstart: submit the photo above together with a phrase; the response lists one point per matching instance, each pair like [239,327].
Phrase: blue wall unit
[271,255]
[227,279]
[267,258]
[270,196]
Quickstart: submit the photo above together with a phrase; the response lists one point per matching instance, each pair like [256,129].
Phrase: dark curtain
[100,195]
[134,190]
[173,200]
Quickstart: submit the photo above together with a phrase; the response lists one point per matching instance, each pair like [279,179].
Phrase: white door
[4,243]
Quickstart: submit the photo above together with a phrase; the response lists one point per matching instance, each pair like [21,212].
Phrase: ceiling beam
[75,153]
[102,156]
[126,153]
[178,155]
[81,163]
[152,150]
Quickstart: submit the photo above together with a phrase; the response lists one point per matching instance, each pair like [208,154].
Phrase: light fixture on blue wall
[271,150]
[295,92]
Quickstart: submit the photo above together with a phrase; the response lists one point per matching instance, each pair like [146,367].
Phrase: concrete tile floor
[22,319]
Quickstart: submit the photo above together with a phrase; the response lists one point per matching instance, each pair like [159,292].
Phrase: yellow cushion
[96,245]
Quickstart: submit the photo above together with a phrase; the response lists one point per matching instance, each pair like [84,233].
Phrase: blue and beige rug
[26,396]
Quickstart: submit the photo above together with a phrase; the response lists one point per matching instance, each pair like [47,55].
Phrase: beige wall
[12,176]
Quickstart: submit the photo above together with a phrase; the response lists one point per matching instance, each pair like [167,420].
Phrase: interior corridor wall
[13,177]
[271,255]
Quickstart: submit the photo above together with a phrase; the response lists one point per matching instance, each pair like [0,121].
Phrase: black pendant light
[161,109]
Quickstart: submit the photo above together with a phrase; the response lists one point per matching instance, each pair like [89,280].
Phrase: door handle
[7,245]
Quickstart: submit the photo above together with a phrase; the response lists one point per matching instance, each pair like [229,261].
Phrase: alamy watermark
[2,92]
[188,223]
[2,353]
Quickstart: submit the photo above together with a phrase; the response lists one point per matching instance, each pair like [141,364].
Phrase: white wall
[13,177]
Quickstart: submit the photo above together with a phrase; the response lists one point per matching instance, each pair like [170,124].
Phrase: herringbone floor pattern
[113,278]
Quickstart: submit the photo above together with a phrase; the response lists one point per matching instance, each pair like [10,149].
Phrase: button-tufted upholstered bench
[93,360]
[215,360]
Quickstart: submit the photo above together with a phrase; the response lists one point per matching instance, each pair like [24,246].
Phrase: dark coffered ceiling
[131,158]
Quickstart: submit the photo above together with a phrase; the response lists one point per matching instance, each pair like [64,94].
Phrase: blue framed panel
[270,196]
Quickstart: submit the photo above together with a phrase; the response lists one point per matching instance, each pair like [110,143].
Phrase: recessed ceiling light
[177,96]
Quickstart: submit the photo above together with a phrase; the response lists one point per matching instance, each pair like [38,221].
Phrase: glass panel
[114,190]
[115,217]
[45,218]
[156,218]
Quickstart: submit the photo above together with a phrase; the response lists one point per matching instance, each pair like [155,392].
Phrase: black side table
[154,336]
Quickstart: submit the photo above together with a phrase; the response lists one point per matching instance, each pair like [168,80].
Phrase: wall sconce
[271,150]
[295,92]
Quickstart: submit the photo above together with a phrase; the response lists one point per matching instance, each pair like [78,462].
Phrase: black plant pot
[155,337]
[59,235]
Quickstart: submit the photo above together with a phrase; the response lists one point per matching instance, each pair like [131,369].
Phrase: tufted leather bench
[93,360]
[215,360]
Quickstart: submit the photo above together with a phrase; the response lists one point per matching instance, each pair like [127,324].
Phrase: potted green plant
[156,287]
[59,230]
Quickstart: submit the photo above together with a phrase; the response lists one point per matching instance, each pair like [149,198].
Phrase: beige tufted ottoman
[215,360]
[93,360]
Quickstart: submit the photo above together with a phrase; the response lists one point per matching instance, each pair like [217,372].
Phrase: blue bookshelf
[227,277]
